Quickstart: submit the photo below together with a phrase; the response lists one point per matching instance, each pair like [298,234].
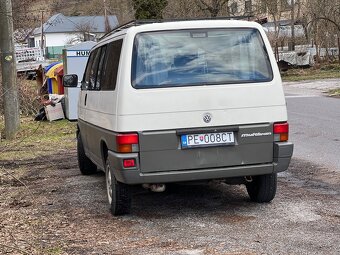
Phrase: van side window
[110,65]
[91,70]
[86,79]
[100,68]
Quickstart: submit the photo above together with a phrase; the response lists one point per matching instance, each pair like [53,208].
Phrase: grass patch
[54,251]
[38,138]
[313,73]
[334,93]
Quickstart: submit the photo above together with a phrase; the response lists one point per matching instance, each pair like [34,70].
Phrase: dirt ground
[59,211]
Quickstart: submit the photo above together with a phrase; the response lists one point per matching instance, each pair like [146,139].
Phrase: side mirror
[70,80]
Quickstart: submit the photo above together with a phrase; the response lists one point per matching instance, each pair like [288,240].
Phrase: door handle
[85,99]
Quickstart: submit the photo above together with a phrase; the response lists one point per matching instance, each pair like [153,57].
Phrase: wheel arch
[78,130]
[104,151]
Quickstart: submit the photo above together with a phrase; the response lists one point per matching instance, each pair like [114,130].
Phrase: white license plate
[210,139]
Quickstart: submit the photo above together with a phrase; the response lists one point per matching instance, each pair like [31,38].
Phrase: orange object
[59,73]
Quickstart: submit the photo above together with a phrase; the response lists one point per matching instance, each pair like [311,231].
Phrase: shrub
[28,97]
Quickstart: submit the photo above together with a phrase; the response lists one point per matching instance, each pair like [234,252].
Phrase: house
[60,30]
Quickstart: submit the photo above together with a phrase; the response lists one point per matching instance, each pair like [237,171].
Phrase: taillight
[127,143]
[281,131]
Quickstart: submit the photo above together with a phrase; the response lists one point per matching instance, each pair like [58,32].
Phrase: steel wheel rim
[109,183]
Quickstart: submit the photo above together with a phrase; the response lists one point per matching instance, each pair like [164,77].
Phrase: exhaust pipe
[155,187]
[248,178]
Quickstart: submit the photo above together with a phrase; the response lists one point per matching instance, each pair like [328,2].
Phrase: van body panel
[192,119]
[98,139]
[162,151]
[102,114]
[135,176]
[283,153]
[170,108]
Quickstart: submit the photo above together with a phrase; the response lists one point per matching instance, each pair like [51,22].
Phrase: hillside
[27,13]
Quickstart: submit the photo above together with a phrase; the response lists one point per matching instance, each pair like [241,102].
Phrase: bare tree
[85,31]
[275,10]
[213,7]
[25,14]
[183,10]
[324,23]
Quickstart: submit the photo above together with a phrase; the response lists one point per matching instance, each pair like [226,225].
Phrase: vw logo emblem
[207,117]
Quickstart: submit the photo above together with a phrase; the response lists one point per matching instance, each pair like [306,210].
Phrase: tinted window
[199,57]
[110,65]
[100,75]
[86,79]
[91,70]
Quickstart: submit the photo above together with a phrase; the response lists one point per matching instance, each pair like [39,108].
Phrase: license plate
[205,140]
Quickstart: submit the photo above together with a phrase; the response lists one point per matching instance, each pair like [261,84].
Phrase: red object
[127,163]
[127,139]
[281,131]
[280,128]
[126,143]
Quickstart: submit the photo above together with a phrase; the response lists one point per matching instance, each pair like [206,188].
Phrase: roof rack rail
[150,21]
[119,28]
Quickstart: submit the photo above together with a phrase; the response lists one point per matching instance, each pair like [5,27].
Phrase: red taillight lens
[127,143]
[127,139]
[127,163]
[281,131]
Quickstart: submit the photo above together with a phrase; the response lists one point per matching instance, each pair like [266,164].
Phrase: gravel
[67,213]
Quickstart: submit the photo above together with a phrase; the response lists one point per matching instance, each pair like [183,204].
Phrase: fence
[28,54]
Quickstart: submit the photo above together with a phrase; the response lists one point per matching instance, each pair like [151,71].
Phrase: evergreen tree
[149,9]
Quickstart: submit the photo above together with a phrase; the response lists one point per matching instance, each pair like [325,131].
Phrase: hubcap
[109,183]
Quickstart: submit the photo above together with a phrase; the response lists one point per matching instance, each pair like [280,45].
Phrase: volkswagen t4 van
[181,101]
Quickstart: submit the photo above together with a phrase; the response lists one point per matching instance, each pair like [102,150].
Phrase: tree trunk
[8,68]
[277,52]
[339,47]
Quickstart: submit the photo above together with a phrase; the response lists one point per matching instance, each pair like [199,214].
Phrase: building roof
[82,46]
[59,23]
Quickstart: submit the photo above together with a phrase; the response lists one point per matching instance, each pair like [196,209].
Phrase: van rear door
[193,85]
[165,150]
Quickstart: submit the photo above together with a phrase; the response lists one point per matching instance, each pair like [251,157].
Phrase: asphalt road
[314,123]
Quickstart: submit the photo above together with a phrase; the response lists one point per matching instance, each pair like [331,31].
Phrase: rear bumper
[282,155]
[283,152]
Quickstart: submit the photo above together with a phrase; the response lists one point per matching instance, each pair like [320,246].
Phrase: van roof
[184,23]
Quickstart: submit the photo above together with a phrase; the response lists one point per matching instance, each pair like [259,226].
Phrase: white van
[182,101]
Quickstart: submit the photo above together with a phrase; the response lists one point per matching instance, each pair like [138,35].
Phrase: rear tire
[119,194]
[263,188]
[86,166]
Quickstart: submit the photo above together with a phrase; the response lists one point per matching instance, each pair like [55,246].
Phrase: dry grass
[314,73]
[26,163]
[334,93]
[36,139]
[28,97]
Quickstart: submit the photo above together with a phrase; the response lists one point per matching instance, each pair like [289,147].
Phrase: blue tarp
[46,68]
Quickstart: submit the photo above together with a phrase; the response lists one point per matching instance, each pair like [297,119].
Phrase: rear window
[199,57]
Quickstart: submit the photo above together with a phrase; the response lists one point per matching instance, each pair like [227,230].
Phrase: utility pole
[106,20]
[42,33]
[8,70]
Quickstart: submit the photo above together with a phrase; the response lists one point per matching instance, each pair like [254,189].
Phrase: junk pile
[50,82]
